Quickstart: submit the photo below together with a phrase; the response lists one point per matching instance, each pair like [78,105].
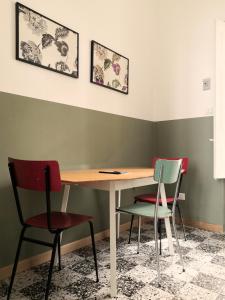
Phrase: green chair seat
[146,210]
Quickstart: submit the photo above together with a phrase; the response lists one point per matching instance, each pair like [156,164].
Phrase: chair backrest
[36,176]
[167,171]
[185,162]
[31,175]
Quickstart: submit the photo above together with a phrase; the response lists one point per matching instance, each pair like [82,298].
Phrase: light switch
[206,84]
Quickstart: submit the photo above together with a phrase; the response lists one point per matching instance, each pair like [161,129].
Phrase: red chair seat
[151,198]
[59,220]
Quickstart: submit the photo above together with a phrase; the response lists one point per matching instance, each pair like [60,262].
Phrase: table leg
[167,220]
[118,214]
[65,198]
[112,211]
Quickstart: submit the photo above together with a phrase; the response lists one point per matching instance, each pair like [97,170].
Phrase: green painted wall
[82,138]
[190,137]
[77,138]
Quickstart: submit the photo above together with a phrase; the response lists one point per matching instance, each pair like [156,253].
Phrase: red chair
[152,198]
[43,176]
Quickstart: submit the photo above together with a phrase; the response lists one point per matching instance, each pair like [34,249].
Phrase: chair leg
[94,249]
[160,236]
[57,235]
[139,233]
[131,225]
[181,219]
[157,249]
[177,241]
[59,252]
[16,262]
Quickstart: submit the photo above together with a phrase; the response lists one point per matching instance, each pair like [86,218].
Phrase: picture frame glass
[45,43]
[109,68]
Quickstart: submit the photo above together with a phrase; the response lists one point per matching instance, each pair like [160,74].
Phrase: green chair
[166,172]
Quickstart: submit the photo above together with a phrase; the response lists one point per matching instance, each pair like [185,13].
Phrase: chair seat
[151,198]
[146,210]
[59,220]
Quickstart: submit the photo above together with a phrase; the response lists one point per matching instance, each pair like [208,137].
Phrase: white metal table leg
[118,214]
[167,220]
[112,217]
[65,198]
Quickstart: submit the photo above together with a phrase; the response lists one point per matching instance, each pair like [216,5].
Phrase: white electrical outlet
[181,196]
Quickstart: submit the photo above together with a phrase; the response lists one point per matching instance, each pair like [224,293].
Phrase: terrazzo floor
[204,278]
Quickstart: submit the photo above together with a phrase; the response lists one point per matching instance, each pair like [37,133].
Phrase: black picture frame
[29,52]
[98,72]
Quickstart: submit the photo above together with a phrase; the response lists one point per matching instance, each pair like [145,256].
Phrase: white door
[219,116]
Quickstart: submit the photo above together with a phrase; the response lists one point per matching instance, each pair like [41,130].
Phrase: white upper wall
[170,44]
[186,55]
[126,26]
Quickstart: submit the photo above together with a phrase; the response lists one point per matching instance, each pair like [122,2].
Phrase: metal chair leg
[181,219]
[160,236]
[178,244]
[157,249]
[59,252]
[139,233]
[94,249]
[131,225]
[57,235]
[16,262]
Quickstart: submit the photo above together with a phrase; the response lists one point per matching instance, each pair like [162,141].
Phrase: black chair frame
[56,232]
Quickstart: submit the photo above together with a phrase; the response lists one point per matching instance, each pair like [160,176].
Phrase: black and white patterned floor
[204,256]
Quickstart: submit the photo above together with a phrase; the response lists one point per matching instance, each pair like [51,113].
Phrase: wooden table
[135,177]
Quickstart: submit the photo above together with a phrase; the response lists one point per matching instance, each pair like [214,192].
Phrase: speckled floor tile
[209,282]
[104,276]
[84,267]
[201,256]
[175,271]
[128,286]
[151,263]
[220,297]
[187,229]
[184,250]
[142,273]
[3,288]
[70,258]
[169,284]
[204,278]
[218,236]
[26,278]
[205,247]
[218,260]
[18,296]
[85,252]
[104,294]
[195,237]
[192,292]
[65,277]
[124,265]
[150,292]
[83,288]
[36,291]
[201,232]
[43,269]
[213,270]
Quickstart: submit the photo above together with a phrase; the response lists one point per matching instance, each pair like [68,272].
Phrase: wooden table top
[93,175]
